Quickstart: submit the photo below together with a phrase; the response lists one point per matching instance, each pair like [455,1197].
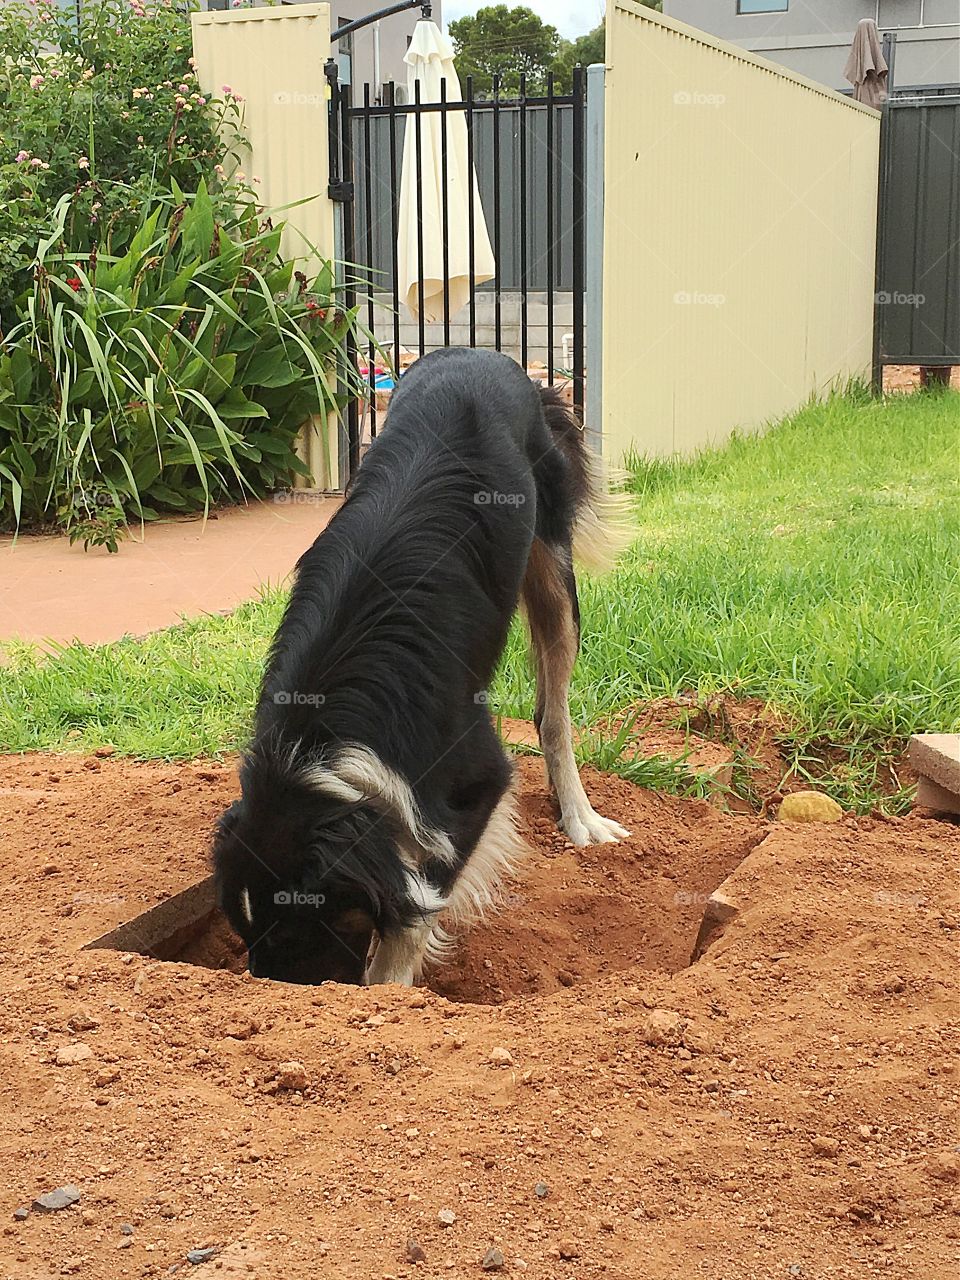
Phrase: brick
[937,756]
[932,796]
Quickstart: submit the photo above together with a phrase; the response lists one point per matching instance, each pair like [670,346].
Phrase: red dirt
[827,1010]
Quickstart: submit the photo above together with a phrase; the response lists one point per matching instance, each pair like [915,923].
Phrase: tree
[507,42]
[585,49]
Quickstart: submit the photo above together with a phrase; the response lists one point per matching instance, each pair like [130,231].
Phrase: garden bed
[792,1112]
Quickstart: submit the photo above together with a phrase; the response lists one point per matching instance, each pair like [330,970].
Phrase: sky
[570,17]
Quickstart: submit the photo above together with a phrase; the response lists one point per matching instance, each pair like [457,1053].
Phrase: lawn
[816,567]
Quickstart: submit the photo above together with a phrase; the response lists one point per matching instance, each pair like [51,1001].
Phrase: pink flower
[184,88]
[36,163]
[191,62]
[83,163]
[36,82]
[226,90]
[21,156]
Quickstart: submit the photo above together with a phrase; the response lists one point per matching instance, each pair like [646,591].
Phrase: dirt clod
[69,1055]
[446,1217]
[824,1146]
[500,1057]
[662,1027]
[493,1260]
[414,1252]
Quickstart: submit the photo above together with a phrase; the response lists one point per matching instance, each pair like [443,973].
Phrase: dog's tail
[603,522]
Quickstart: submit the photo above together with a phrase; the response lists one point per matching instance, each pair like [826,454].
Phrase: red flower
[75,283]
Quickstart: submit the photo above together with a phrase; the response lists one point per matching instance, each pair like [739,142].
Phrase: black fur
[394,628]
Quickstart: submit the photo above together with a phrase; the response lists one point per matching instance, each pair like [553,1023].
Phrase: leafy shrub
[103,104]
[164,378]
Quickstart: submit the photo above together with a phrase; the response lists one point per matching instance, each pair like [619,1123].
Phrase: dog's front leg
[399,957]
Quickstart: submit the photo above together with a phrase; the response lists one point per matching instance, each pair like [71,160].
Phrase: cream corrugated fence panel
[274,58]
[739,237]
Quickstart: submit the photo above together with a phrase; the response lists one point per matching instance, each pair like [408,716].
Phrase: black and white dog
[376,799]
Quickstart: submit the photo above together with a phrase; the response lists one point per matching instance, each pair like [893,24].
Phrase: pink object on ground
[51,592]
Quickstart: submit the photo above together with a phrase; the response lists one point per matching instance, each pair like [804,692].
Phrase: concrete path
[51,592]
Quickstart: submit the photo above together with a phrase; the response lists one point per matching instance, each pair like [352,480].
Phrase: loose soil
[573,1091]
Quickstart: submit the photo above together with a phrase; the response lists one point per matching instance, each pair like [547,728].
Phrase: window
[763,6]
[345,53]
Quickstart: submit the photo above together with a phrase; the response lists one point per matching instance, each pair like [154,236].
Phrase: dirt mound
[578,1097]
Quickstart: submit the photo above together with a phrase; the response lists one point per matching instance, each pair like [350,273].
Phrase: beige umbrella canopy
[866,67]
[430,61]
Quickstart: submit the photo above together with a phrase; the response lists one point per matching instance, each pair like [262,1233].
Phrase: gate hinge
[340,191]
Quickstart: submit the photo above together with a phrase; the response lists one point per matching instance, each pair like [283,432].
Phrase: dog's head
[307,879]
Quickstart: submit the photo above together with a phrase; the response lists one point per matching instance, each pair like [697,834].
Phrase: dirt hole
[574,916]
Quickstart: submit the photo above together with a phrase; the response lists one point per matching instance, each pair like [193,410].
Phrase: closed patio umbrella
[430,61]
[866,67]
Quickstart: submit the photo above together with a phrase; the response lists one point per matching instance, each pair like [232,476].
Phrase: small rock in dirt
[82,1022]
[59,1198]
[564,978]
[68,1055]
[108,1075]
[541,1191]
[662,1027]
[196,1256]
[569,1250]
[493,1260]
[824,1146]
[945,1166]
[241,1030]
[794,1269]
[711,1086]
[105,752]
[292,1075]
[446,1217]
[126,1228]
[88,1217]
[809,806]
[417,1001]
[414,1253]
[21,1214]
[500,1057]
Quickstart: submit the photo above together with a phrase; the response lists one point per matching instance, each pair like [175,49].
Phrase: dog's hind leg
[553,615]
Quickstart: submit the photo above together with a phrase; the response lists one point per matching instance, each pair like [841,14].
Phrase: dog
[376,801]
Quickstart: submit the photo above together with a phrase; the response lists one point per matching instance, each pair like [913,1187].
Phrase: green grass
[816,567]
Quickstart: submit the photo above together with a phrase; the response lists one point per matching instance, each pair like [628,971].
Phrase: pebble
[565,979]
[21,1214]
[569,1250]
[418,1000]
[825,1146]
[414,1253]
[88,1217]
[126,1228]
[541,1191]
[68,1055]
[59,1198]
[493,1260]
[446,1217]
[945,1166]
[196,1256]
[105,752]
[500,1057]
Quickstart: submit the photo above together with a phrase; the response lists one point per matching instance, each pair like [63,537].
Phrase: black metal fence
[918,233]
[528,152]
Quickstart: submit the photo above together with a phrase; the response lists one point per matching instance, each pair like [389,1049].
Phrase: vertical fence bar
[349,290]
[471,218]
[418,136]
[593,409]
[550,333]
[497,303]
[522,124]
[445,205]
[579,230]
[368,244]
[394,226]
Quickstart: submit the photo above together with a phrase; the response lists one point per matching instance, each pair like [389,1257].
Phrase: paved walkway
[51,592]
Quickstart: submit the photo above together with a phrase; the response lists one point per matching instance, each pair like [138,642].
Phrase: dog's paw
[589,827]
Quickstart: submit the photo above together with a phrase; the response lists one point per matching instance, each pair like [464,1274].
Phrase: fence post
[593,415]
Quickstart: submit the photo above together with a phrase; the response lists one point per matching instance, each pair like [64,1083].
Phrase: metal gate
[918,233]
[529,155]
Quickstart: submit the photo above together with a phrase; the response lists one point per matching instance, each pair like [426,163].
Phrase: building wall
[739,238]
[813,37]
[395,33]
